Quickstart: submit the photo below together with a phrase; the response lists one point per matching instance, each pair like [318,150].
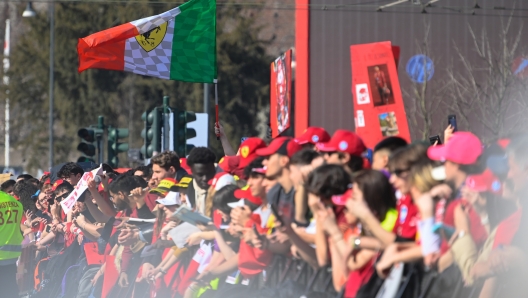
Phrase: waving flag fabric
[179,44]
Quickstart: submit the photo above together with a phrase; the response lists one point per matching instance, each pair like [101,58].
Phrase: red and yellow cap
[247,151]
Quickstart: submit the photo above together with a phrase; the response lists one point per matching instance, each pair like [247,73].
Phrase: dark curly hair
[328,180]
[24,191]
[69,169]
[7,184]
[201,155]
[126,184]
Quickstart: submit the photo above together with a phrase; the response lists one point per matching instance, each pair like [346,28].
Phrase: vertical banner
[280,93]
[378,103]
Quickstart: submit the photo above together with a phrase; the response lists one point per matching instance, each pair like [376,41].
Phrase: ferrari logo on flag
[152,39]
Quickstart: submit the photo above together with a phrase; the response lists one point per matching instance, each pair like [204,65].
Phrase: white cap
[239,203]
[172,198]
[224,180]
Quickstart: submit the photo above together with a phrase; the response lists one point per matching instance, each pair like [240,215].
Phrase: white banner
[80,188]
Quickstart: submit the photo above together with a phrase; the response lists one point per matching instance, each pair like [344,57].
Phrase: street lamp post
[29,12]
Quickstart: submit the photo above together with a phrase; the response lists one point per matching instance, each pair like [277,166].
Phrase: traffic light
[182,133]
[151,134]
[114,146]
[87,145]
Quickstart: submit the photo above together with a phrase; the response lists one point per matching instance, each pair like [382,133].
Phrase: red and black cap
[282,145]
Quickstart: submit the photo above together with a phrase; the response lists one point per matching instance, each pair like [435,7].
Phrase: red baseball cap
[247,150]
[344,141]
[281,145]
[485,182]
[245,194]
[229,163]
[463,148]
[340,200]
[259,170]
[313,135]
[56,184]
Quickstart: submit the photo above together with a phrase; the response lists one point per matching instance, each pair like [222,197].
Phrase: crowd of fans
[409,220]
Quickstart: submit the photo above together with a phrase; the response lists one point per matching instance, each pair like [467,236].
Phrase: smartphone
[276,214]
[451,120]
[435,140]
[48,229]
[255,230]
[448,231]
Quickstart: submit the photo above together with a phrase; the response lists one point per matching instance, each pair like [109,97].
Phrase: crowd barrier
[282,270]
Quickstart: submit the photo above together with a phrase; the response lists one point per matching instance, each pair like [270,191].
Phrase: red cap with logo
[282,145]
[56,184]
[344,141]
[313,135]
[229,163]
[485,182]
[185,166]
[463,148]
[248,150]
[245,194]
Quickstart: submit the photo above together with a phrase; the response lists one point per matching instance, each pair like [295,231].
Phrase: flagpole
[7,46]
[217,123]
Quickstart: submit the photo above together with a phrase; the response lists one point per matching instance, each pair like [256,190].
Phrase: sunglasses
[62,197]
[400,172]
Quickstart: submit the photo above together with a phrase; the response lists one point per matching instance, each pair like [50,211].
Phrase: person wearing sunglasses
[42,205]
[61,190]
[404,229]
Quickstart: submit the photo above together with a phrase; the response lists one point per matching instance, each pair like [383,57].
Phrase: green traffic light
[182,133]
[114,146]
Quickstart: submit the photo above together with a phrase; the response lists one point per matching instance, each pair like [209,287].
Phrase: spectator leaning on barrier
[71,172]
[166,165]
[311,136]
[383,150]
[345,148]
[8,186]
[201,160]
[277,159]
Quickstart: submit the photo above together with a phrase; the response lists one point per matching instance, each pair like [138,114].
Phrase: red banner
[378,103]
[280,94]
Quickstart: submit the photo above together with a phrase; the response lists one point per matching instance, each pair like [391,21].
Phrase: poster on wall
[280,93]
[379,111]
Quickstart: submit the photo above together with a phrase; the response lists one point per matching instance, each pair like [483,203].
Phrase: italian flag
[179,44]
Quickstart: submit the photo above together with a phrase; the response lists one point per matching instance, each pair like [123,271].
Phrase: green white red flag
[179,44]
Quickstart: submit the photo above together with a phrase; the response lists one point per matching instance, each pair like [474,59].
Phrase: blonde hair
[209,202]
[421,176]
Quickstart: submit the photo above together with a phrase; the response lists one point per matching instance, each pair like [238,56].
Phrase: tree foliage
[122,97]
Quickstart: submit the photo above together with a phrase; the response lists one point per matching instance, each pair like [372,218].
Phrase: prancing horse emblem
[152,38]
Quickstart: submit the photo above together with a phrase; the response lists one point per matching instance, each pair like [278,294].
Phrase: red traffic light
[86,134]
